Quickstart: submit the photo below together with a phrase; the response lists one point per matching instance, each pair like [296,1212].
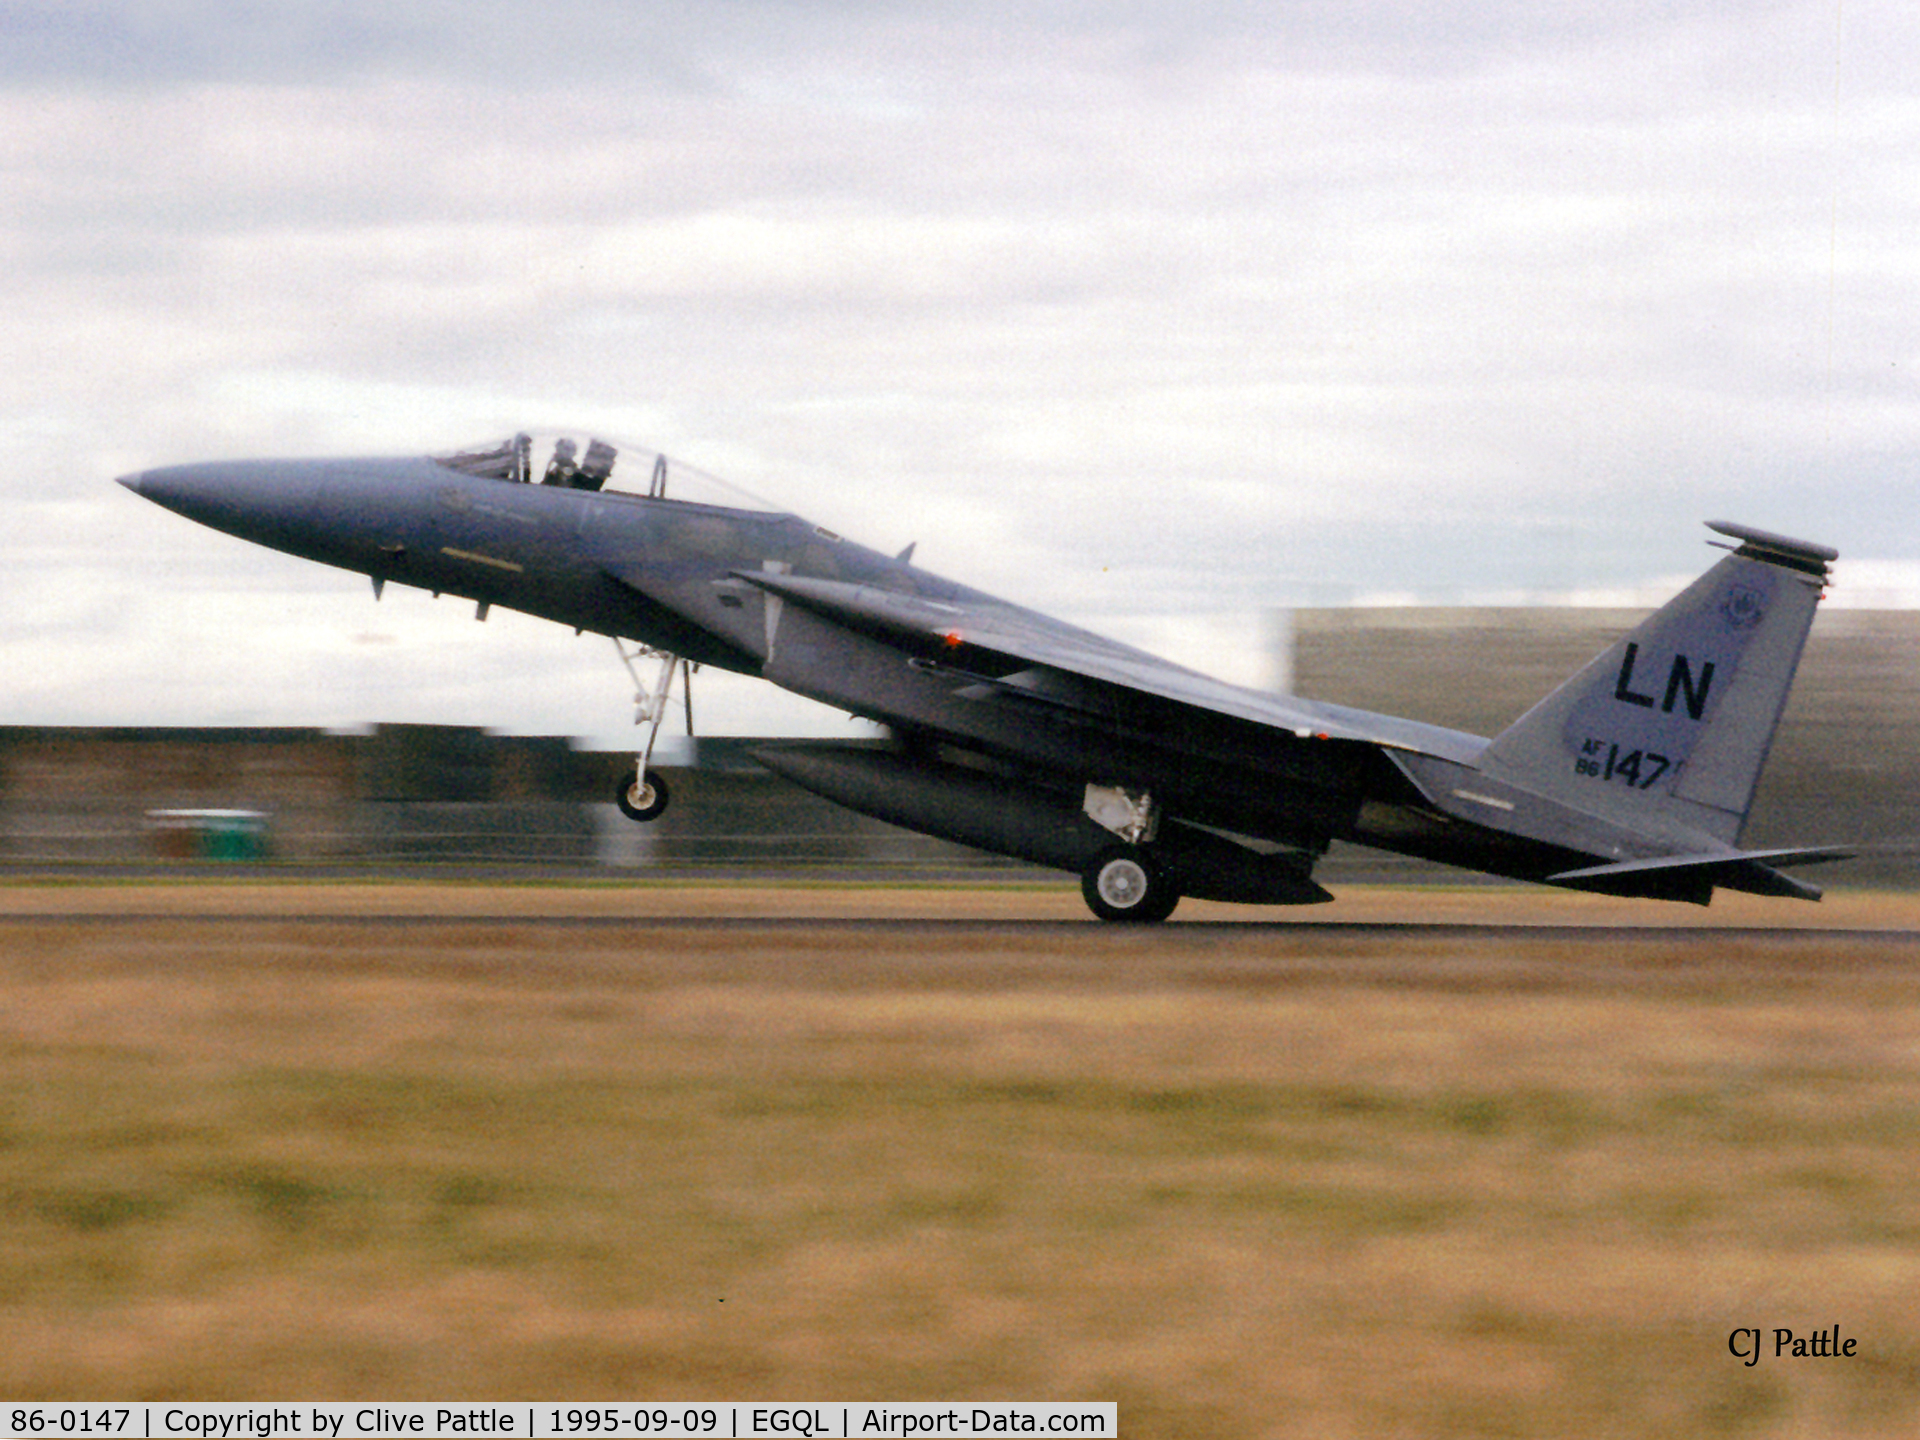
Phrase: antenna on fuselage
[657,490]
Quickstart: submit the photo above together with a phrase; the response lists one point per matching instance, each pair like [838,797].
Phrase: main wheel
[1124,884]
[642,802]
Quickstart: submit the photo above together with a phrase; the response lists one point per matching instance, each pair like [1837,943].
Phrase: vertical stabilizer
[1669,728]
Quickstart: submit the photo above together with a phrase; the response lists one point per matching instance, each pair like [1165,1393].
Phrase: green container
[234,837]
[226,835]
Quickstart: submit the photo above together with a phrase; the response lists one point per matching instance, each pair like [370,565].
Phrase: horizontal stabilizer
[1745,870]
[1801,555]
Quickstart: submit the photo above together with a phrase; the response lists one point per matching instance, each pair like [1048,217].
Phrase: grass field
[1271,1181]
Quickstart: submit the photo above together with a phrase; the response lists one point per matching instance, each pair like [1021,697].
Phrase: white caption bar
[532,1420]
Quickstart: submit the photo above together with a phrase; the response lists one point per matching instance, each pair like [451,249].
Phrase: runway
[1428,910]
[1473,939]
[1063,932]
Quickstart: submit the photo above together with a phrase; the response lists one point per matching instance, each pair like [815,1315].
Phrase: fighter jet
[1021,735]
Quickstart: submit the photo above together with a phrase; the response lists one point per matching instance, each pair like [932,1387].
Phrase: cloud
[1150,310]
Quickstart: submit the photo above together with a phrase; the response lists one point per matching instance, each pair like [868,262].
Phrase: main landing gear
[643,795]
[1124,884]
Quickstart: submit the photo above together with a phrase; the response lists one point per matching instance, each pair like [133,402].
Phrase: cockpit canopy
[562,460]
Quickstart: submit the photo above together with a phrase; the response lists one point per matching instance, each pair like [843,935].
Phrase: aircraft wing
[1065,667]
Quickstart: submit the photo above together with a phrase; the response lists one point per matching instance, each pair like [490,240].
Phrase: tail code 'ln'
[1674,720]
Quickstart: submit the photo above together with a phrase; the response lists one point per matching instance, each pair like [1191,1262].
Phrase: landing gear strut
[1124,884]
[644,795]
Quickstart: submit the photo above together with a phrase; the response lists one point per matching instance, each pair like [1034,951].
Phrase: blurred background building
[1845,767]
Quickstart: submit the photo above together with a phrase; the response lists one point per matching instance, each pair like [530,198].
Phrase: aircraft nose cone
[177,486]
[258,500]
[200,492]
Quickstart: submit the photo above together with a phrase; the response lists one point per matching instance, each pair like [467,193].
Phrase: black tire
[1123,884]
[642,803]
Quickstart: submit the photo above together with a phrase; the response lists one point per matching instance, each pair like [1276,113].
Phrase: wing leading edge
[1031,639]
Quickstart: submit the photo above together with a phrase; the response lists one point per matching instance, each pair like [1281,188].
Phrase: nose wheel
[1124,884]
[643,799]
[643,795]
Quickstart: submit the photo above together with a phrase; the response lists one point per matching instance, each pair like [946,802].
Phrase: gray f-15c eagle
[1021,735]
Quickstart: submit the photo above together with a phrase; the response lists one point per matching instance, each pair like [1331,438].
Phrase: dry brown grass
[1268,1182]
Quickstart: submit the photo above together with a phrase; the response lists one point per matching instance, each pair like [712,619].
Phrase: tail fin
[1672,724]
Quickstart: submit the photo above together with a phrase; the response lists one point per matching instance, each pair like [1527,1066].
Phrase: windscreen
[587,462]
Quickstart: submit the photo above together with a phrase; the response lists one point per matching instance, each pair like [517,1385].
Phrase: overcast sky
[1156,315]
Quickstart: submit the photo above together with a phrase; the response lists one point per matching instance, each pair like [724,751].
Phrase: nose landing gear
[644,796]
